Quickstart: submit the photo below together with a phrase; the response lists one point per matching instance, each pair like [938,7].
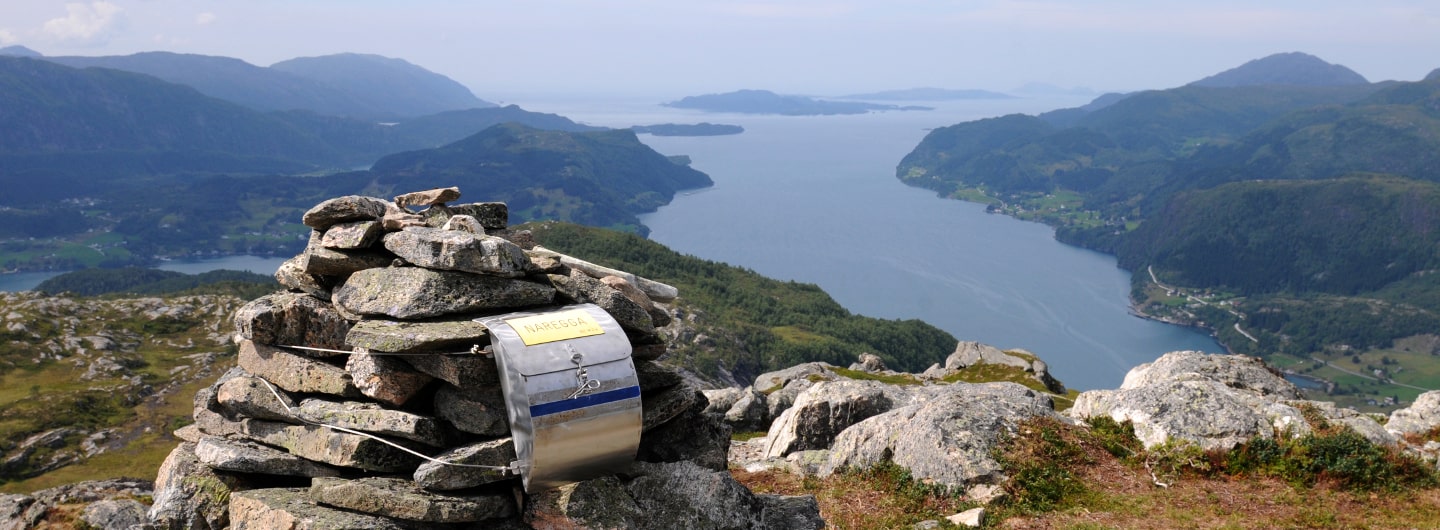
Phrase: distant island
[688,129]
[767,102]
[929,94]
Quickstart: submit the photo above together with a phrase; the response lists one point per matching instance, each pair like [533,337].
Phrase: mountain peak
[1293,68]
[19,51]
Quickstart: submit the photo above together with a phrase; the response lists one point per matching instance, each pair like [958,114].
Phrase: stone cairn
[366,396]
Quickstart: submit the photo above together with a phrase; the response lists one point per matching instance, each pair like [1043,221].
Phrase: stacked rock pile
[366,394]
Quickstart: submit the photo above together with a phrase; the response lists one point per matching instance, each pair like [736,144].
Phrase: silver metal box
[571,393]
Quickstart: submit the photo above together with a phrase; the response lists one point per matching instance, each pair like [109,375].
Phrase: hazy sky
[683,47]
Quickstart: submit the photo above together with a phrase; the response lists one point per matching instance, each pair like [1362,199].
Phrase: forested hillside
[751,324]
[1285,204]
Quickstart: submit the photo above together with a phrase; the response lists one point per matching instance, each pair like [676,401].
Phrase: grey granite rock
[478,410]
[292,319]
[386,379]
[825,409]
[458,250]
[352,235]
[402,499]
[580,288]
[1419,417]
[292,509]
[329,446]
[114,513]
[189,494]
[492,453]
[692,436]
[417,293]
[948,440]
[444,335]
[375,419]
[477,370]
[291,275]
[598,503]
[243,456]
[343,209]
[295,373]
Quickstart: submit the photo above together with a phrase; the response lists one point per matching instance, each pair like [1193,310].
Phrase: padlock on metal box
[571,393]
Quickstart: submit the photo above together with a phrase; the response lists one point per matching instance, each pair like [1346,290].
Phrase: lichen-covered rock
[478,410]
[490,215]
[248,457]
[295,373]
[114,513]
[750,412]
[579,287]
[948,440]
[292,319]
[458,250]
[250,397]
[601,503]
[388,380]
[291,275]
[402,499]
[343,209]
[458,370]
[19,512]
[823,411]
[661,406]
[352,234]
[969,353]
[375,419]
[1419,417]
[329,446]
[491,453]
[691,436]
[329,263]
[189,494]
[790,512]
[684,495]
[417,293]
[1214,401]
[869,362]
[292,509]
[444,335]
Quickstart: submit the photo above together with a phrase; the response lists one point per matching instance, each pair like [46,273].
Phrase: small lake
[25,281]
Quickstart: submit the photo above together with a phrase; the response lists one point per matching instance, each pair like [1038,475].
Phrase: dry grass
[1116,493]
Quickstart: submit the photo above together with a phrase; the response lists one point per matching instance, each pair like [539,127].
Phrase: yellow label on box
[550,327]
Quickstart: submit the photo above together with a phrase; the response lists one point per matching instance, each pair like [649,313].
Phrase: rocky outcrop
[1215,402]
[366,395]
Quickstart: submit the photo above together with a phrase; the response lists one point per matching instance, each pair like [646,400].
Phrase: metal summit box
[571,393]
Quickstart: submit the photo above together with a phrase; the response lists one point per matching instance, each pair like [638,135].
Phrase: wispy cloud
[89,23]
[7,37]
[205,19]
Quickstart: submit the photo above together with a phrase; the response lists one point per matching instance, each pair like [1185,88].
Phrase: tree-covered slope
[744,324]
[600,178]
[1344,236]
[391,87]
[1292,68]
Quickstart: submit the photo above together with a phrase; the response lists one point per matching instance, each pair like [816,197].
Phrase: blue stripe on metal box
[599,398]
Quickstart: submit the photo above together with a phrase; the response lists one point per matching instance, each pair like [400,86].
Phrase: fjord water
[815,199]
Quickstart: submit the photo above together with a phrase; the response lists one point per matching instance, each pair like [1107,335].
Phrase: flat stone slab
[476,410]
[292,509]
[249,457]
[455,334]
[374,419]
[437,476]
[403,499]
[329,446]
[386,379]
[353,234]
[295,373]
[343,209]
[418,293]
[468,371]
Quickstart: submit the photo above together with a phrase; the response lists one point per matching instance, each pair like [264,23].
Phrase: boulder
[969,353]
[328,263]
[684,495]
[416,293]
[291,275]
[189,494]
[869,362]
[1420,417]
[402,499]
[579,287]
[458,250]
[343,209]
[1214,401]
[661,406]
[597,503]
[825,409]
[352,235]
[249,396]
[691,436]
[949,440]
[292,319]
[114,513]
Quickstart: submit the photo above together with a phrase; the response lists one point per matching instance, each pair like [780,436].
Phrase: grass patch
[747,436]
[893,379]
[882,497]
